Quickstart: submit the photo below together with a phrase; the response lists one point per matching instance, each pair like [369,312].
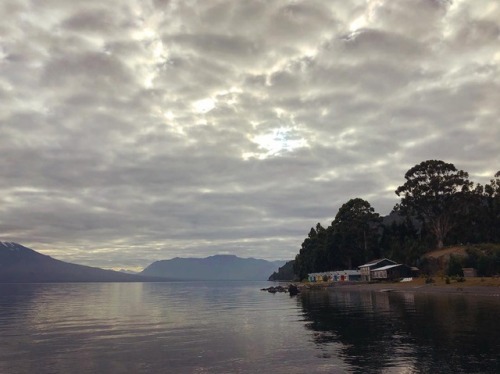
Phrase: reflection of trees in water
[373,331]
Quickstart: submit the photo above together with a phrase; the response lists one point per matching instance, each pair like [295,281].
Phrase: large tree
[355,230]
[492,195]
[305,260]
[434,192]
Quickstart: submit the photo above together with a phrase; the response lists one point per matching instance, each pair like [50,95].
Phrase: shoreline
[472,286]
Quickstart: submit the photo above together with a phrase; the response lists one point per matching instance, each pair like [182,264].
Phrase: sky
[140,130]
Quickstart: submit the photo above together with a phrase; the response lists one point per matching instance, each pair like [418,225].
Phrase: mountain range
[19,264]
[218,267]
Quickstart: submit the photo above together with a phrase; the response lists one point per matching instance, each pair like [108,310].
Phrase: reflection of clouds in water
[190,326]
[235,327]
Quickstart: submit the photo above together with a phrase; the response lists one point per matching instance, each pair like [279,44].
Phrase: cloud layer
[143,130]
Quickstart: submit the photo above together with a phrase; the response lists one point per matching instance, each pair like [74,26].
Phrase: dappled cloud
[143,130]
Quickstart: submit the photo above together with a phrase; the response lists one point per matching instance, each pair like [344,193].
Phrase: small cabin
[335,276]
[319,277]
[346,276]
[391,272]
[365,270]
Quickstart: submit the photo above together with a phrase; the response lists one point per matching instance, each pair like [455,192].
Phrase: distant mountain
[19,264]
[218,267]
[127,271]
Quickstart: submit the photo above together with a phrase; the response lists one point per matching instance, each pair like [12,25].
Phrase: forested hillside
[284,273]
[439,207]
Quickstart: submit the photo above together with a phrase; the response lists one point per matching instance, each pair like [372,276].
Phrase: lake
[233,327]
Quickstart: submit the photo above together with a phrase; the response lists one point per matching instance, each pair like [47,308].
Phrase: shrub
[455,266]
[485,258]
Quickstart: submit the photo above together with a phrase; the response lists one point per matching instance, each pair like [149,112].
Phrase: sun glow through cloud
[204,105]
[276,142]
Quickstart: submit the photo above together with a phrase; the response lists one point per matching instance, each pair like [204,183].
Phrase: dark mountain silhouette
[19,264]
[219,267]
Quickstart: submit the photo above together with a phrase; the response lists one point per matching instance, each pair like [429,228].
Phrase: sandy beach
[472,286]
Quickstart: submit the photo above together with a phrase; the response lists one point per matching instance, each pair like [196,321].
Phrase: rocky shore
[472,286]
[292,289]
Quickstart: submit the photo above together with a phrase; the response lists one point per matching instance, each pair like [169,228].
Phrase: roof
[347,272]
[387,267]
[375,262]
[336,272]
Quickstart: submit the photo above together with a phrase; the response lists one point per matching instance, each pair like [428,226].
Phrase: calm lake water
[233,327]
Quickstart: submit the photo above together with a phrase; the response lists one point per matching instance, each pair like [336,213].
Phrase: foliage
[439,205]
[455,266]
[428,266]
[402,241]
[312,254]
[348,242]
[434,192]
[284,273]
[484,258]
[492,209]
[355,229]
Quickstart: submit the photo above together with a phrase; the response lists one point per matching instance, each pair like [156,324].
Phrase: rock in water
[293,289]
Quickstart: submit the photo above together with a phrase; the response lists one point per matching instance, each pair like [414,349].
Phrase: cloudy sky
[132,131]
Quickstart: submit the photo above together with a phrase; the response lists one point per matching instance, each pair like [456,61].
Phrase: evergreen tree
[356,232]
[492,209]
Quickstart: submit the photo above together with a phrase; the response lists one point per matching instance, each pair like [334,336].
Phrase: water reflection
[235,327]
[377,332]
[149,328]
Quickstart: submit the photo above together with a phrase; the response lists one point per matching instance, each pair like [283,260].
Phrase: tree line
[439,206]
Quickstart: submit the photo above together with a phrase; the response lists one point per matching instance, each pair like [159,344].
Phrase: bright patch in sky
[204,106]
[357,24]
[276,142]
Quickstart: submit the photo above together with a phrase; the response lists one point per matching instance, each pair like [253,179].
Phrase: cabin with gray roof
[365,270]
[391,272]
